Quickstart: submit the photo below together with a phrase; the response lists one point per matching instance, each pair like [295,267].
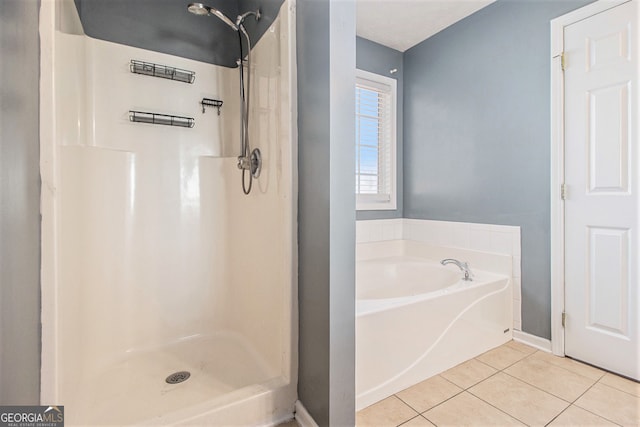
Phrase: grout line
[412,408]
[467,389]
[400,399]
[510,365]
[573,372]
[486,364]
[563,368]
[524,382]
[561,398]
[586,410]
[561,412]
[569,404]
[603,370]
[409,420]
[450,382]
[546,391]
[435,406]
[503,411]
[495,407]
[451,397]
[601,416]
[481,381]
[526,345]
[616,388]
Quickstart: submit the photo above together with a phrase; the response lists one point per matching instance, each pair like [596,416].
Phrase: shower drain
[178,377]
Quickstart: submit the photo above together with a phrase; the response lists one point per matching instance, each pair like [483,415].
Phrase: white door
[601,177]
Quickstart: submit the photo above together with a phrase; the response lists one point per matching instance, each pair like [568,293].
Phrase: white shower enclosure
[154,262]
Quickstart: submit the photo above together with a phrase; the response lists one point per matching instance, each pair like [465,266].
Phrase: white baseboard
[303,417]
[532,340]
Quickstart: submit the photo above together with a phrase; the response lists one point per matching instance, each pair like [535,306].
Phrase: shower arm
[240,19]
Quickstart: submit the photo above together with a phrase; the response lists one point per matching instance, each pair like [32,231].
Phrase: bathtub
[416,318]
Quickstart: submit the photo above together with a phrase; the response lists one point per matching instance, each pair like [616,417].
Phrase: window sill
[376,206]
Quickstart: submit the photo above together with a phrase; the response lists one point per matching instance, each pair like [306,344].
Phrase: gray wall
[19,203]
[477,132]
[326,210]
[166,26]
[379,59]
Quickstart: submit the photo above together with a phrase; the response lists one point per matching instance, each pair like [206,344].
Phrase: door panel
[608,110]
[601,175]
[607,283]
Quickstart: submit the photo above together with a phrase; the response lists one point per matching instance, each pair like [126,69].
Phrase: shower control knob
[244,163]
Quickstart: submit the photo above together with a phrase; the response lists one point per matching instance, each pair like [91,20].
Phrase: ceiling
[401,24]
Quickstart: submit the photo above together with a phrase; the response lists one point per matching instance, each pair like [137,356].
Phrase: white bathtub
[417,318]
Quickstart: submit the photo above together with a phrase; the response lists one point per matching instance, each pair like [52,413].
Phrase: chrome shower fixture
[202,9]
[249,161]
[241,18]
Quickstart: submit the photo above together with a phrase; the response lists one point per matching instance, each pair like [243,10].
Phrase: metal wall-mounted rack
[208,102]
[161,119]
[163,71]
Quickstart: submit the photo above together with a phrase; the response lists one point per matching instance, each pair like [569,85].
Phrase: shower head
[201,9]
[198,9]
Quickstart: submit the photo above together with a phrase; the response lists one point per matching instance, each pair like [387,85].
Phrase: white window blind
[375,141]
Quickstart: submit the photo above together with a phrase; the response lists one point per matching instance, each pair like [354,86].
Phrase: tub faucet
[464,266]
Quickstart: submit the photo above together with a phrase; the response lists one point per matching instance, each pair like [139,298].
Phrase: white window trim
[370,202]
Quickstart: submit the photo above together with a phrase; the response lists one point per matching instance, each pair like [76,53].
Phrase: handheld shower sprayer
[202,10]
[249,160]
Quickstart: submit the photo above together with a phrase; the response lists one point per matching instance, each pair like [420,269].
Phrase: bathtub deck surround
[513,384]
[433,319]
[498,239]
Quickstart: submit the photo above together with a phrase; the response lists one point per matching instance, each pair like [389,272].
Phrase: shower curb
[303,417]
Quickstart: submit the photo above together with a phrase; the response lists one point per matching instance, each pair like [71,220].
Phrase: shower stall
[168,294]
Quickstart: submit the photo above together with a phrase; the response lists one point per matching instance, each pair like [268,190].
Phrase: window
[375,141]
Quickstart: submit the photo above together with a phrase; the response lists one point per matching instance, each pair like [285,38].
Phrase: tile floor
[512,385]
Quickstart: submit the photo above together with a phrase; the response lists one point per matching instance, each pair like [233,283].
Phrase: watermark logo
[31,416]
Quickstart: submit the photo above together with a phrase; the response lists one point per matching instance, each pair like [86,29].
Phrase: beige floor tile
[570,365]
[622,384]
[501,357]
[418,421]
[612,404]
[292,423]
[388,412]
[578,417]
[428,393]
[519,399]
[468,373]
[558,381]
[466,410]
[521,347]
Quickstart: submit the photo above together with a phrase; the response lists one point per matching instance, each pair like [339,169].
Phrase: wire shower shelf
[163,71]
[161,119]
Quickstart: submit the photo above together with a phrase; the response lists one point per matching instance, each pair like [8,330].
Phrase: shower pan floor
[134,390]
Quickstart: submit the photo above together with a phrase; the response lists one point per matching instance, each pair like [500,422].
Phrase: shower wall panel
[153,258]
[142,248]
[262,264]
[157,242]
